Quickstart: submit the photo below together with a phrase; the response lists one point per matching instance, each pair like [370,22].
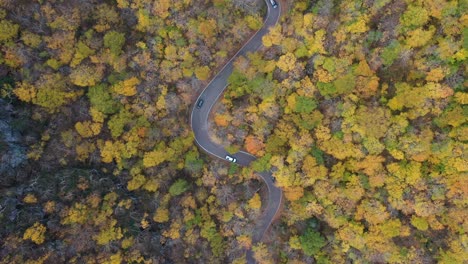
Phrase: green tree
[305,104]
[31,39]
[391,52]
[344,84]
[311,241]
[192,161]
[238,84]
[53,92]
[114,41]
[117,122]
[82,52]
[414,16]
[419,222]
[262,164]
[8,30]
[179,187]
[101,99]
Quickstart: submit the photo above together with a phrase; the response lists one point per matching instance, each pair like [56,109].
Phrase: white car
[273,3]
[231,159]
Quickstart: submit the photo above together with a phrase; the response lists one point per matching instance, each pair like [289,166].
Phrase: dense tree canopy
[365,131]
[98,92]
[358,108]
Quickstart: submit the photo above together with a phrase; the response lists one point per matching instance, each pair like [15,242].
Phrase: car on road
[231,159]
[200,103]
[273,3]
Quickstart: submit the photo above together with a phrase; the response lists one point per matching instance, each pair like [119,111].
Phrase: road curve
[199,123]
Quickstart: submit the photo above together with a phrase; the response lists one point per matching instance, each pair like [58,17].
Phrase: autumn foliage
[358,108]
[361,118]
[253,145]
[99,156]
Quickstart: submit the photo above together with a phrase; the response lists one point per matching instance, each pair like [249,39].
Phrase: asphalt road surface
[199,123]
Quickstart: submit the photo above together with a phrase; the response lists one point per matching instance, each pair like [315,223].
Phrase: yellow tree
[261,254]
[372,211]
[419,37]
[174,230]
[392,228]
[31,39]
[208,28]
[136,182]
[126,87]
[161,8]
[106,16]
[273,37]
[255,202]
[363,69]
[88,129]
[436,74]
[161,215]
[202,72]
[86,75]
[370,165]
[410,172]
[30,198]
[83,150]
[78,213]
[25,91]
[154,158]
[287,62]
[293,193]
[369,122]
[244,241]
[111,151]
[359,26]
[315,43]
[35,233]
[151,185]
[352,234]
[313,171]
[108,233]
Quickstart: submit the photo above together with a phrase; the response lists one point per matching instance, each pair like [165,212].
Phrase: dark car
[200,103]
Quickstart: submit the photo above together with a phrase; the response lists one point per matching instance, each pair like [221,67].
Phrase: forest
[358,107]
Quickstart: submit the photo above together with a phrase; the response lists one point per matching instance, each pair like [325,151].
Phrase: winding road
[199,123]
